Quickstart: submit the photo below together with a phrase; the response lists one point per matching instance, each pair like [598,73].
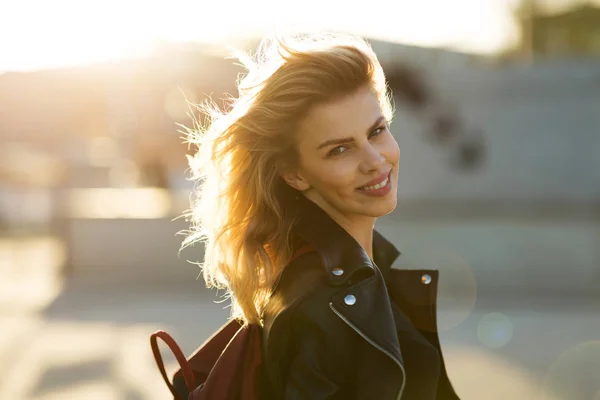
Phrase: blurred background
[498,119]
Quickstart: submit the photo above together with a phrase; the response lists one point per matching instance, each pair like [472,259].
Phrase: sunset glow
[37,34]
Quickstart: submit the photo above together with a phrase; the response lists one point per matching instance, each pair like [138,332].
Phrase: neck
[365,239]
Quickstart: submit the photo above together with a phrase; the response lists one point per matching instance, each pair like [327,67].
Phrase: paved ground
[91,342]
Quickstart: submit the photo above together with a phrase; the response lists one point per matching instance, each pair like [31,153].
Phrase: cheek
[335,176]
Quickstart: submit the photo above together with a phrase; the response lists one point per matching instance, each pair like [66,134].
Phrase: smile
[377,186]
[379,189]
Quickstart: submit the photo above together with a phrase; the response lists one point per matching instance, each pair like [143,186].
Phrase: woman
[304,157]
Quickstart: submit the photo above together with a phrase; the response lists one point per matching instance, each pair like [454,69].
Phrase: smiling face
[348,159]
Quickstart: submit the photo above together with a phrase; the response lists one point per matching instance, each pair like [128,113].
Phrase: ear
[294,179]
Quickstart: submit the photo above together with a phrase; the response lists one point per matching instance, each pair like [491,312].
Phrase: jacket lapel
[336,247]
[357,305]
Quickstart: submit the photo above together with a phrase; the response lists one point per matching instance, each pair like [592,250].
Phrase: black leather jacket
[340,326]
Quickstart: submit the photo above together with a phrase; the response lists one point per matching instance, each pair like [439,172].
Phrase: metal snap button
[426,279]
[350,300]
[337,271]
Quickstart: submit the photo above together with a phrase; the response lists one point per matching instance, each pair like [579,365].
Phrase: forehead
[345,117]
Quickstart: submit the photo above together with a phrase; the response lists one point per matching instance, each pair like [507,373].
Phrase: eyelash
[381,129]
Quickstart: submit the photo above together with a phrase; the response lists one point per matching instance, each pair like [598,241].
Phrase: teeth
[378,186]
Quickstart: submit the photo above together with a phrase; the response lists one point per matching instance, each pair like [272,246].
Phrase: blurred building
[390,54]
[574,32]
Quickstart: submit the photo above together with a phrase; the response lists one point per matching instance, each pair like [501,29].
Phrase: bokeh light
[495,330]
[575,374]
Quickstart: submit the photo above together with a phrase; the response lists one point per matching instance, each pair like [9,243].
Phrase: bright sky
[37,34]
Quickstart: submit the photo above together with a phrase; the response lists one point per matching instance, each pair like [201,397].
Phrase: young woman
[304,159]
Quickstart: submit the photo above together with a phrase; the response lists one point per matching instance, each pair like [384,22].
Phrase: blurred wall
[542,136]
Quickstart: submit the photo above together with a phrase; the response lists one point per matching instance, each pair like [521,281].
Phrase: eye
[377,131]
[336,151]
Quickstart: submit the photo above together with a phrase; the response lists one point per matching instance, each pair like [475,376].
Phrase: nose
[372,160]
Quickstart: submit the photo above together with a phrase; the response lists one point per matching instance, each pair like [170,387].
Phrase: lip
[381,192]
[377,180]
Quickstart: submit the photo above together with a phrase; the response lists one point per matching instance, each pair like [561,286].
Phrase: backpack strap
[186,370]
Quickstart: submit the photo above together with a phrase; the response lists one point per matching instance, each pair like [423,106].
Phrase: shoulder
[300,280]
[301,302]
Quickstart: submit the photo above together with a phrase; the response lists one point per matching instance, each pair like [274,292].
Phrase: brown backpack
[227,366]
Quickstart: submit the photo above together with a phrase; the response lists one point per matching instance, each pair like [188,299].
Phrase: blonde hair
[242,212]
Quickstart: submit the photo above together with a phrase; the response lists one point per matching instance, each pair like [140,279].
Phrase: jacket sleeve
[319,362]
[308,377]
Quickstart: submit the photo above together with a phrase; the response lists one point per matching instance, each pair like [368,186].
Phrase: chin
[381,209]
[386,211]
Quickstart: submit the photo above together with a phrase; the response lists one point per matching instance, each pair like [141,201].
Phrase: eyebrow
[349,139]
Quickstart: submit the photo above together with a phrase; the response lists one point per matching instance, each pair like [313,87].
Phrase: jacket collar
[336,247]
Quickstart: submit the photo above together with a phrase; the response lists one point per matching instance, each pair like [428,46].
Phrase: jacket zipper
[381,349]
